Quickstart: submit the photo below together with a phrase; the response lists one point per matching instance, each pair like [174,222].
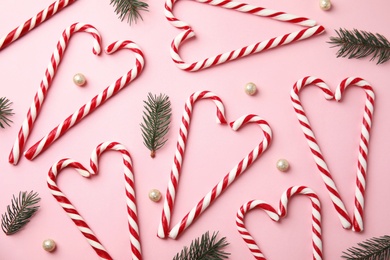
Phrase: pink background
[212,150]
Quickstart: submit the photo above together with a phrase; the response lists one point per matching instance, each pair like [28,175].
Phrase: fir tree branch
[19,212]
[157,117]
[372,249]
[360,44]
[5,112]
[129,9]
[205,249]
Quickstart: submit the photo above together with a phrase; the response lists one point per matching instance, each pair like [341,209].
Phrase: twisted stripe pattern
[34,22]
[278,215]
[163,230]
[188,33]
[217,190]
[361,174]
[357,223]
[46,82]
[83,171]
[95,102]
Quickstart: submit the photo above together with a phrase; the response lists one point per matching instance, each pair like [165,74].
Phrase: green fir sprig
[157,117]
[205,248]
[376,248]
[5,112]
[19,212]
[360,44]
[129,9]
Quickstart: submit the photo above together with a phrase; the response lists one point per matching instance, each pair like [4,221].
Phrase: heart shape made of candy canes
[209,198]
[87,108]
[72,212]
[188,33]
[361,174]
[278,215]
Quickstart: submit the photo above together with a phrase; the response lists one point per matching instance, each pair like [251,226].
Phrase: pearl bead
[79,79]
[250,88]
[49,245]
[154,195]
[282,165]
[325,4]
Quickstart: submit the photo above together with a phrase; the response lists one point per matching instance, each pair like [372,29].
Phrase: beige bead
[250,88]
[325,5]
[49,245]
[79,79]
[282,165]
[154,195]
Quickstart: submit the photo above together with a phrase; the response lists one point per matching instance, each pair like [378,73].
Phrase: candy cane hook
[34,22]
[361,175]
[163,229]
[95,102]
[71,211]
[46,82]
[188,33]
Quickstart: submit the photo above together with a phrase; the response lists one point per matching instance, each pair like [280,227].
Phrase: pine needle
[5,112]
[157,117]
[19,212]
[371,249]
[129,9]
[204,249]
[360,44]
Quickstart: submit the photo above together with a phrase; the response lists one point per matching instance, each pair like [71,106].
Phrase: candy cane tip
[29,155]
[12,160]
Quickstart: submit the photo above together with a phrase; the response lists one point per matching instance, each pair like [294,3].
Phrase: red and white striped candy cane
[361,175]
[46,82]
[95,102]
[277,216]
[242,52]
[163,230]
[314,147]
[72,212]
[246,236]
[315,212]
[34,22]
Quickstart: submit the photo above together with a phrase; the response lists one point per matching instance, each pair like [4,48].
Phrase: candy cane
[361,175]
[319,158]
[316,214]
[246,236]
[163,229]
[95,102]
[314,147]
[46,82]
[71,211]
[242,52]
[34,22]
[276,216]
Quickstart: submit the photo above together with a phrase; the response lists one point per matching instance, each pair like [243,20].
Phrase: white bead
[250,88]
[154,195]
[282,165]
[79,79]
[49,245]
[325,4]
